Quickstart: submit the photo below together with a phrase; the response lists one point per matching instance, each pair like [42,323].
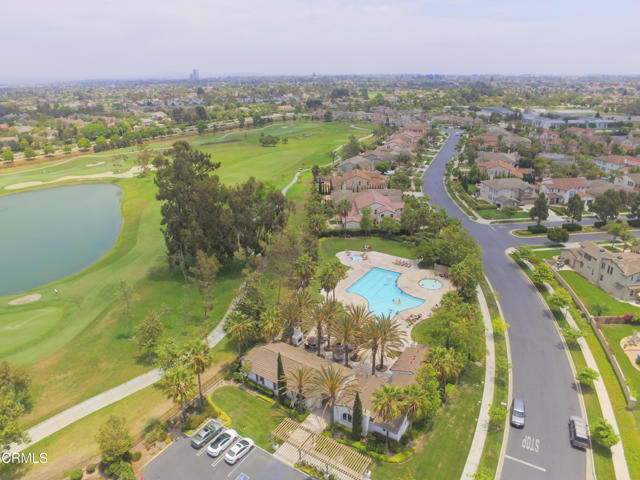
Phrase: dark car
[578,433]
[206,433]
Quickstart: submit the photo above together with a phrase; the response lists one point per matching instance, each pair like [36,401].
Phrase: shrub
[558,235]
[572,227]
[537,229]
[91,468]
[602,433]
[75,474]
[135,456]
[634,223]
[599,224]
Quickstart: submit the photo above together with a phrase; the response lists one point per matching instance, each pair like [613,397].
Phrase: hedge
[537,229]
[634,223]
[572,227]
[599,224]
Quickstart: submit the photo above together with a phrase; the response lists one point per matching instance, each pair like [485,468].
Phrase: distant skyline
[80,40]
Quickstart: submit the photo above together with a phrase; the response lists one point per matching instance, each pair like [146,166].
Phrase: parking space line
[525,463]
[201,451]
[236,467]
[217,460]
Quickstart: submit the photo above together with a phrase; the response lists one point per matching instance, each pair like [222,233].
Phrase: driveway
[180,460]
[541,372]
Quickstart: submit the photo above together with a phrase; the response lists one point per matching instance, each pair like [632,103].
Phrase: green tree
[343,208]
[447,364]
[499,326]
[366,222]
[240,328]
[332,388]
[281,253]
[416,404]
[575,207]
[369,338]
[84,143]
[356,419]
[560,298]
[330,275]
[299,384]
[347,326]
[113,439]
[602,432]
[558,235]
[29,152]
[542,274]
[387,403]
[271,324]
[127,296]
[497,415]
[607,205]
[100,144]
[148,333]
[392,338]
[615,229]
[15,400]
[305,270]
[634,207]
[203,275]
[389,226]
[509,211]
[352,148]
[571,336]
[282,380]
[525,252]
[540,209]
[198,359]
[7,155]
[587,375]
[466,275]
[178,385]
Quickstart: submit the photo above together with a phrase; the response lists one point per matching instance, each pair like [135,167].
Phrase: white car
[223,441]
[239,450]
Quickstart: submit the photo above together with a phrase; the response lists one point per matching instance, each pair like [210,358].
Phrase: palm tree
[198,359]
[446,363]
[343,208]
[348,326]
[293,309]
[178,385]
[305,270]
[240,328]
[415,404]
[369,339]
[333,311]
[271,324]
[299,383]
[333,387]
[317,319]
[391,338]
[386,402]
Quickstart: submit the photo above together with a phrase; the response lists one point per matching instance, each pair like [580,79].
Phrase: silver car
[517,413]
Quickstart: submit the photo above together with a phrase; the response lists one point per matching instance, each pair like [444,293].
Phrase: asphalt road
[181,461]
[541,371]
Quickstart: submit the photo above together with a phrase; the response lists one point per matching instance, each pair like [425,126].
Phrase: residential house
[599,186]
[612,163]
[487,141]
[510,158]
[500,169]
[630,181]
[560,190]
[358,180]
[380,206]
[618,274]
[508,191]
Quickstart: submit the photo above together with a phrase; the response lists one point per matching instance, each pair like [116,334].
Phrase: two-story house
[380,205]
[560,190]
[618,274]
[508,191]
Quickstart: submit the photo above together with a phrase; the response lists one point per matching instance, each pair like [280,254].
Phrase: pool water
[430,283]
[355,258]
[379,287]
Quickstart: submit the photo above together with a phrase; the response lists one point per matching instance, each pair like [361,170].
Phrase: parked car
[206,433]
[221,442]
[239,450]
[517,413]
[578,433]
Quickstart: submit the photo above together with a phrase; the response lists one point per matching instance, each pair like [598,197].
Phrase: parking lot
[181,461]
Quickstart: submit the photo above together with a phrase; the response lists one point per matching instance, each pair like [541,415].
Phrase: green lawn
[442,452]
[547,254]
[250,416]
[592,295]
[65,340]
[497,214]
[392,246]
[614,334]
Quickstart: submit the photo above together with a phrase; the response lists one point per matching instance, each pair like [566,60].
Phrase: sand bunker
[94,164]
[134,171]
[27,299]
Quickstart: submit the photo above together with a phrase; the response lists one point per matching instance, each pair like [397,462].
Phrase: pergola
[326,452]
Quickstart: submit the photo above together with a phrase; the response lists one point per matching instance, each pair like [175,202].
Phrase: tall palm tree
[294,309]
[391,338]
[299,381]
[416,404]
[271,324]
[344,207]
[387,402]
[318,319]
[333,387]
[369,339]
[446,362]
[240,329]
[305,270]
[348,326]
[198,359]
[333,311]
[178,385]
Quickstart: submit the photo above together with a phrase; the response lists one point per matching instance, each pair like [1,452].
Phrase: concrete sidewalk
[482,425]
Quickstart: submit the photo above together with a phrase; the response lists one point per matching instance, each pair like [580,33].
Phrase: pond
[46,235]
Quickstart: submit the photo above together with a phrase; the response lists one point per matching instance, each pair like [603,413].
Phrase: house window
[347,417]
[260,379]
[601,277]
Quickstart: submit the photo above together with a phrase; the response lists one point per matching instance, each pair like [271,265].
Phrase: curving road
[541,372]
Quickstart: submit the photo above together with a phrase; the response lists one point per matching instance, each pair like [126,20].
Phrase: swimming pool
[355,258]
[380,289]
[430,283]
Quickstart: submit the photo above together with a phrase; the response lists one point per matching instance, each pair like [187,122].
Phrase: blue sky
[77,39]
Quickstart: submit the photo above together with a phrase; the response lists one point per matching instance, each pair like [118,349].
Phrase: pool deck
[407,281]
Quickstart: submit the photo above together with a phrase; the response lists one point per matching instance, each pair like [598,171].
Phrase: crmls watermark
[21,457]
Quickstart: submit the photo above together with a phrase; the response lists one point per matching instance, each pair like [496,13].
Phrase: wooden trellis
[336,455]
